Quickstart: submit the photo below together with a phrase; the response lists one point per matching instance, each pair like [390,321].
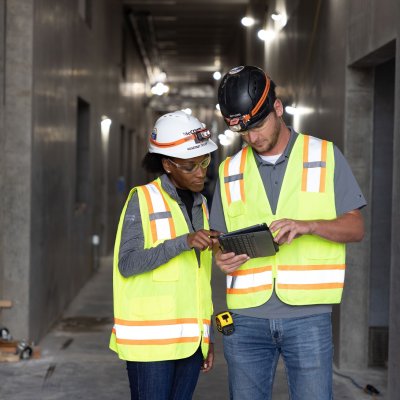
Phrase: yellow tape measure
[224,322]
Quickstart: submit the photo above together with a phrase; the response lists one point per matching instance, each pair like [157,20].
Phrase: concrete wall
[54,57]
[2,141]
[16,164]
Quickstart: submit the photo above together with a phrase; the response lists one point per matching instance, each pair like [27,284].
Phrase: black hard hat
[246,96]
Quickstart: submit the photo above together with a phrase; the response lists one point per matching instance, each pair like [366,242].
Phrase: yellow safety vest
[311,269]
[163,314]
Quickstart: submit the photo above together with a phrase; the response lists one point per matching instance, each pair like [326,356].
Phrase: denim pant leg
[164,380]
[187,372]
[307,350]
[252,357]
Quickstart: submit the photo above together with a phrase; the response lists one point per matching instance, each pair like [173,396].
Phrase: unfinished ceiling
[188,40]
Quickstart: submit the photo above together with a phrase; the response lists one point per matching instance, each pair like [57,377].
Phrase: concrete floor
[76,363]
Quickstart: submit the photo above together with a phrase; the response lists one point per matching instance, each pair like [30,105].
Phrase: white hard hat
[180,135]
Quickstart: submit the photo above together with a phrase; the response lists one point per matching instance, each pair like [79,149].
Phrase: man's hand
[202,239]
[346,228]
[230,262]
[209,361]
[289,229]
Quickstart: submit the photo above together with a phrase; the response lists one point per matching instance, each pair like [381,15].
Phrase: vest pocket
[236,209]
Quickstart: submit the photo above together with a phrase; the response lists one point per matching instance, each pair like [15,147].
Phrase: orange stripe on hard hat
[246,118]
[172,144]
[263,97]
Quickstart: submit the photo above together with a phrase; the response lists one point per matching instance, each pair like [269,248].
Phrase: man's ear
[278,107]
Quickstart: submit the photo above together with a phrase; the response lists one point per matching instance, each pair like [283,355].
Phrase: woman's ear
[165,165]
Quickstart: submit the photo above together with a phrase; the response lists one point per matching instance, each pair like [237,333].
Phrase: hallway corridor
[76,363]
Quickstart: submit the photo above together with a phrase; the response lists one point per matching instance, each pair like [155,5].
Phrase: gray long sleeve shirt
[133,258]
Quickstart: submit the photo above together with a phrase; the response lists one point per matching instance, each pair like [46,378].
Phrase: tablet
[255,241]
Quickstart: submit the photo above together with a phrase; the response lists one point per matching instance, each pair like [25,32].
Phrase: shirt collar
[286,153]
[170,188]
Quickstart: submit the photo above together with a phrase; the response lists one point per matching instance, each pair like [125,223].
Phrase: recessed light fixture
[247,21]
[217,75]
[298,110]
[266,35]
[276,16]
[159,89]
[187,111]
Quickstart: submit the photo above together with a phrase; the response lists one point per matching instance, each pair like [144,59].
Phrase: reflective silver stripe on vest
[167,332]
[311,276]
[251,280]
[314,165]
[234,176]
[160,214]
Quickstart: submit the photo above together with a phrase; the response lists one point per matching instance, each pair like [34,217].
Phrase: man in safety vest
[303,188]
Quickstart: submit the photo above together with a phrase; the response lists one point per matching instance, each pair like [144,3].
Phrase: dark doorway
[381,223]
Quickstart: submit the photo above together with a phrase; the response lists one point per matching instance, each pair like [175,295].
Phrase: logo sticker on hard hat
[154,134]
[236,70]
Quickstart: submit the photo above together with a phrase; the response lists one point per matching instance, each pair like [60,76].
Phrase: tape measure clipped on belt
[224,322]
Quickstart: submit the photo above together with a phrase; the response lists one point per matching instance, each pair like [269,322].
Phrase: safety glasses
[192,167]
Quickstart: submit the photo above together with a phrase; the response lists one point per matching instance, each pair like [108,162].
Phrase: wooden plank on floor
[5,303]
[6,357]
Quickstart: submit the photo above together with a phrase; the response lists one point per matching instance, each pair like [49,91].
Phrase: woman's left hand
[209,361]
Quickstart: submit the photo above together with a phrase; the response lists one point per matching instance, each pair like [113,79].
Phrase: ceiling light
[247,21]
[279,18]
[266,35]
[105,125]
[224,140]
[187,111]
[229,134]
[159,89]
[217,75]
[276,16]
[293,110]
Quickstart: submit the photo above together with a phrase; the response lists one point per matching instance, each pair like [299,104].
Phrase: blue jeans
[164,380]
[253,350]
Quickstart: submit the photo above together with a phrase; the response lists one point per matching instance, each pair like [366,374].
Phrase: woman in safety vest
[162,266]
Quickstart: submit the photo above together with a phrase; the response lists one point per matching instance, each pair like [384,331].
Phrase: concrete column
[394,315]
[358,127]
[2,136]
[16,168]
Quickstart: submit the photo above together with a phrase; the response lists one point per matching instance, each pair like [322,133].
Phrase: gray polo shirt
[348,197]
